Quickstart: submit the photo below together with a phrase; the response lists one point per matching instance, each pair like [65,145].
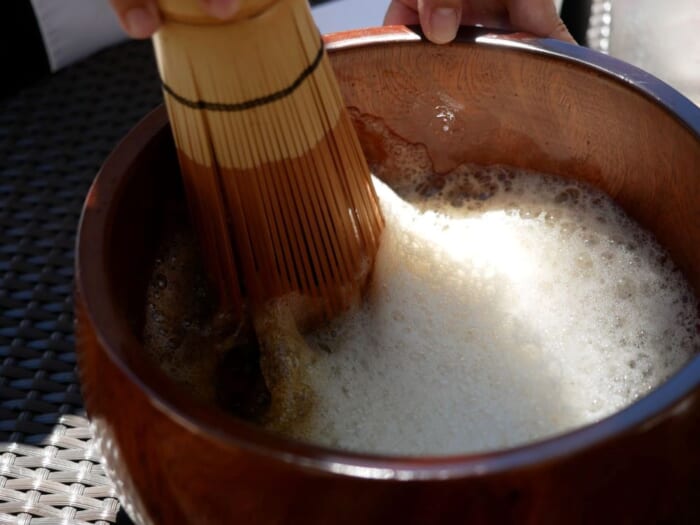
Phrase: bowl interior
[507,103]
[533,110]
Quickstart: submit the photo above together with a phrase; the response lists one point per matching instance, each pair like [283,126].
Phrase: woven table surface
[53,138]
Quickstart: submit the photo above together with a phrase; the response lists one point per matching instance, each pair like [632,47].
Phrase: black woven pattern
[53,138]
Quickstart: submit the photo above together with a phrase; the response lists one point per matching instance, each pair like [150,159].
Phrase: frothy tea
[505,306]
[533,309]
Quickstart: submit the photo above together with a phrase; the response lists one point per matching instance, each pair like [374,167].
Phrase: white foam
[532,307]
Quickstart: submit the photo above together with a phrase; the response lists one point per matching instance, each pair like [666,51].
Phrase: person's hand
[140,18]
[441,18]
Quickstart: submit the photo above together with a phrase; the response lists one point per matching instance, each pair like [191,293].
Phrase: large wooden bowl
[531,103]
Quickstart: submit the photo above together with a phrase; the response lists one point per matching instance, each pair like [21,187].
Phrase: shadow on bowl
[515,100]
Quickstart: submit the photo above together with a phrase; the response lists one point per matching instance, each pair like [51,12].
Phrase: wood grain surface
[177,462]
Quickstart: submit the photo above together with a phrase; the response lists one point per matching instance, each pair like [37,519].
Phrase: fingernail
[444,22]
[222,8]
[140,22]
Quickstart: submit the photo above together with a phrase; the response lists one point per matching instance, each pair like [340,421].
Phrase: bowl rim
[670,398]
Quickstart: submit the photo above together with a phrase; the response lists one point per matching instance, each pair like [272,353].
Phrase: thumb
[440,19]
[539,17]
[222,9]
[139,18]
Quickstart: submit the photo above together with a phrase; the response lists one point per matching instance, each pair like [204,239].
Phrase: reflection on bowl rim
[644,413]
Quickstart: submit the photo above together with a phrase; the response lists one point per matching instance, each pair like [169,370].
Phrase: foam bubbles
[504,307]
[183,333]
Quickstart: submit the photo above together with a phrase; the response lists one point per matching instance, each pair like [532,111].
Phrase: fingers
[222,9]
[139,18]
[539,17]
[401,12]
[440,19]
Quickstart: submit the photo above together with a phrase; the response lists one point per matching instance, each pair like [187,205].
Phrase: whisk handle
[190,12]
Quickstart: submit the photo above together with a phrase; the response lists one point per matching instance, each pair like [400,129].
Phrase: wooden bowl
[522,101]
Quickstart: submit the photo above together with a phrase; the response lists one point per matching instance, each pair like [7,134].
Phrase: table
[53,138]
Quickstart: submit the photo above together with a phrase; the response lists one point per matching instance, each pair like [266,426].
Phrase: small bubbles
[551,217]
[398,316]
[430,186]
[457,201]
[445,116]
[569,196]
[625,288]
[567,228]
[161,281]
[590,239]
[584,262]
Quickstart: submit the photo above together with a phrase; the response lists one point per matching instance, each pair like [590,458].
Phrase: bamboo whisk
[278,186]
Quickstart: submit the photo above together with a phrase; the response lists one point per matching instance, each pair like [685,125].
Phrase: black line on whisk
[253,103]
